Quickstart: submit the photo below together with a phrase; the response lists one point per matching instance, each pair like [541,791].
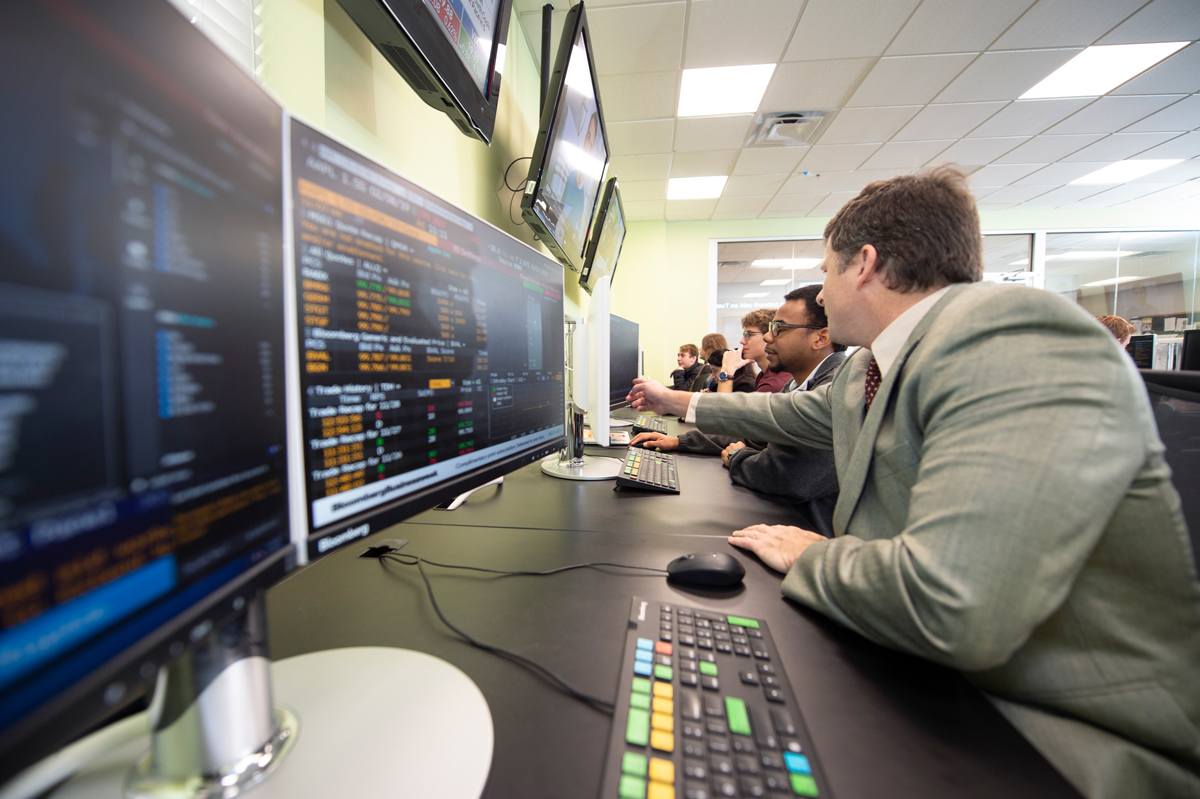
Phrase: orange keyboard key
[662,648]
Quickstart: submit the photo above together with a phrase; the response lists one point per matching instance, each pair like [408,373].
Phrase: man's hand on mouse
[651,395]
[777,545]
[656,441]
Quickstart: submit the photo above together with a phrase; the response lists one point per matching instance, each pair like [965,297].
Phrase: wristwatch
[721,378]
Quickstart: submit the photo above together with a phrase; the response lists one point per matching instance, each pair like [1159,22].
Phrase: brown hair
[689,349]
[713,341]
[813,309]
[758,319]
[925,228]
[1117,326]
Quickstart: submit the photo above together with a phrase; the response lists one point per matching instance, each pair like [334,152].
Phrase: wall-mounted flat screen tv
[605,247]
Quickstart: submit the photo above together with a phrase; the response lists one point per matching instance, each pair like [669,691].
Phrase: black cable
[508,169]
[515,222]
[408,559]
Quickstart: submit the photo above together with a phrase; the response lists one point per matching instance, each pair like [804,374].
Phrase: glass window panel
[1007,258]
[743,267]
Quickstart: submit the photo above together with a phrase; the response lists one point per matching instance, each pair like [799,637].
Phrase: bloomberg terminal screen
[431,342]
[142,424]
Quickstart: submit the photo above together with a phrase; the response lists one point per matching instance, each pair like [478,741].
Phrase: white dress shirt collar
[887,345]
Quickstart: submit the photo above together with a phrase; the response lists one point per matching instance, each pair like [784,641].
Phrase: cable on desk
[407,559]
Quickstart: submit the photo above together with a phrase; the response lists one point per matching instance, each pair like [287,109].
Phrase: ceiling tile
[861,125]
[1160,21]
[1004,75]
[1180,173]
[641,167]
[1017,194]
[750,185]
[979,151]
[1121,194]
[645,210]
[1002,174]
[813,85]
[908,80]
[942,121]
[740,207]
[905,155]
[1184,115]
[1179,74]
[1119,146]
[794,204]
[646,95]
[712,133]
[768,160]
[1109,114]
[1028,117]
[645,38]
[836,157]
[948,26]
[1058,174]
[1171,196]
[1047,149]
[641,138]
[1185,146]
[725,33]
[1063,195]
[703,163]
[823,32]
[852,181]
[1061,23]
[985,207]
[679,210]
[633,191]
[834,201]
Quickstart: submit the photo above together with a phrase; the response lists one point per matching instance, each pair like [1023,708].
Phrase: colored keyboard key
[643,668]
[662,740]
[631,787]
[634,763]
[797,763]
[637,728]
[804,785]
[664,689]
[641,685]
[708,669]
[739,719]
[664,673]
[662,770]
[741,622]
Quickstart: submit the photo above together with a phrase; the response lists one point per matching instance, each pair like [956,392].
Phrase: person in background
[1118,327]
[708,345]
[689,367]
[740,377]
[754,329]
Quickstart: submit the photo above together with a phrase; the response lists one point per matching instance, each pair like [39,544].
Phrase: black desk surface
[884,724]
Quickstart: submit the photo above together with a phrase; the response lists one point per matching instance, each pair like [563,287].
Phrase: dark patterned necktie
[874,378]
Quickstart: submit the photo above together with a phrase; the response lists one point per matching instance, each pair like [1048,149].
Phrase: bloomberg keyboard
[705,711]
[649,471]
[649,424]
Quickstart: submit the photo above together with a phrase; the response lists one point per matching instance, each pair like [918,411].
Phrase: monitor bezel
[575,23]
[612,194]
[452,89]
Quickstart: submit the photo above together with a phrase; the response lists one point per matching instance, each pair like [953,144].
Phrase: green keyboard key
[803,785]
[664,673]
[632,787]
[640,701]
[637,730]
[641,685]
[708,669]
[739,719]
[739,621]
[635,764]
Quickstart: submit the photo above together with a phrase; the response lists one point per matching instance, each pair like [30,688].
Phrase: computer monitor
[431,345]
[1189,359]
[571,152]
[624,359]
[605,247]
[451,53]
[143,487]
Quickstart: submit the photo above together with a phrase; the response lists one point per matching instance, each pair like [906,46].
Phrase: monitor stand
[367,722]
[572,464]
[614,421]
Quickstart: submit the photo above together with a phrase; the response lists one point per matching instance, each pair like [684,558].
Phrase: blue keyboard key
[797,764]
[643,668]
[645,643]
[643,654]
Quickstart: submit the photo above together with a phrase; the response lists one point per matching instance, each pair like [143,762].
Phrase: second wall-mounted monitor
[605,247]
[450,52]
[431,346]
[571,152]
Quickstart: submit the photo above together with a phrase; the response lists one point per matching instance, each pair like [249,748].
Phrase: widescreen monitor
[142,423]
[431,344]
[624,357]
[571,153]
[451,52]
[605,247]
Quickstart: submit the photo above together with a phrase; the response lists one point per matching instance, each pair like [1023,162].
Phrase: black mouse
[714,569]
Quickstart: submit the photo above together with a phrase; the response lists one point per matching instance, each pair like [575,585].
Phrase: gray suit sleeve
[799,419]
[1022,463]
[801,475]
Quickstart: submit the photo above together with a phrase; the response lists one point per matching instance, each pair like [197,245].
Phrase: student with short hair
[1118,327]
[689,367]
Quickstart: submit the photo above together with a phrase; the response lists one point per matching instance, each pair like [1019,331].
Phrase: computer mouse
[713,569]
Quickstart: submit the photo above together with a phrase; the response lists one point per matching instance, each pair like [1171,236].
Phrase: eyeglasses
[750,333]
[776,326]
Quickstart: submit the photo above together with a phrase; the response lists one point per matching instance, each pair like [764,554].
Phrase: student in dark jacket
[689,367]
[797,341]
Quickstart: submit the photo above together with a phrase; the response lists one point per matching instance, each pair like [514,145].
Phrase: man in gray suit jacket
[1005,508]
[800,345]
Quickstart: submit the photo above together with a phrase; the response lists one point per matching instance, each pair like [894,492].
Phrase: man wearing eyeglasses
[1004,504]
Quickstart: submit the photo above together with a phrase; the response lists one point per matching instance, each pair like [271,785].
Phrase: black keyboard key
[722,647]
[748,677]
[689,705]
[692,730]
[741,651]
[746,764]
[686,639]
[761,652]
[770,760]
[702,633]
[720,626]
[694,749]
[709,656]
[741,639]
[770,681]
[711,684]
[714,706]
[752,787]
[766,668]
[721,765]
[718,746]
[774,695]
[742,745]
[724,786]
[688,677]
[776,781]
[664,635]
[703,622]
[754,633]
[716,728]
[695,770]
[737,629]
[694,791]
[686,665]
[687,654]
[663,660]
[684,611]
[704,643]
[783,721]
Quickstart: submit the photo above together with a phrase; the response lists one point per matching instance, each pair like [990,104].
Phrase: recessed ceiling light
[723,90]
[757,294]
[786,263]
[1099,70]
[1112,281]
[775,282]
[1022,262]
[1092,255]
[1125,171]
[705,188]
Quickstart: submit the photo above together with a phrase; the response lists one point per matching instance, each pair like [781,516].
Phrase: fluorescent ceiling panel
[757,294]
[702,188]
[1125,171]
[723,90]
[1099,70]
[1092,255]
[1112,281]
[783,281]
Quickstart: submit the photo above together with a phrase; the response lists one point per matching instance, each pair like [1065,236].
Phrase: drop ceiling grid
[939,81]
